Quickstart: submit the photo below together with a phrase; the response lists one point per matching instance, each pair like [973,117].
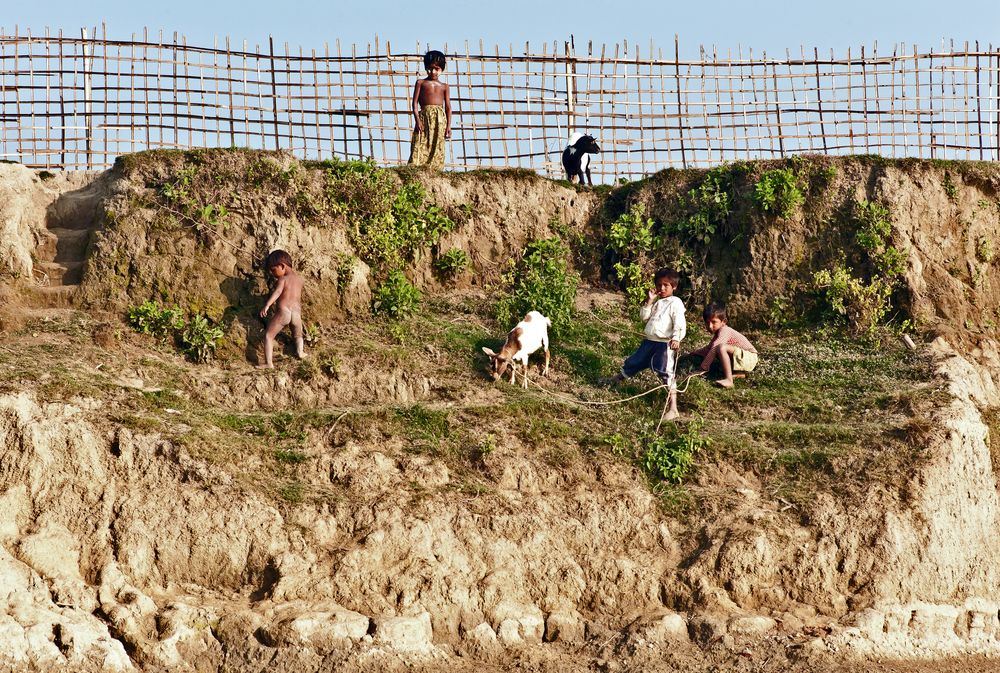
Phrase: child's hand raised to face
[651,295]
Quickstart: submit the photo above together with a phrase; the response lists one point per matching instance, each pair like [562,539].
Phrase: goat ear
[489,352]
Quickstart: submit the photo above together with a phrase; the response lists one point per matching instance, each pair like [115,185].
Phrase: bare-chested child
[431,114]
[288,294]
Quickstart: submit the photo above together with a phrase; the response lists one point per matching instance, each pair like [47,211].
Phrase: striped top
[726,336]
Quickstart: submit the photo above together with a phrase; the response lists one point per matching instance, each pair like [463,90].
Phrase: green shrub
[670,457]
[950,190]
[200,337]
[396,296]
[345,271]
[388,223]
[777,192]
[158,321]
[864,303]
[706,207]
[633,241]
[451,263]
[633,278]
[632,230]
[984,250]
[539,281]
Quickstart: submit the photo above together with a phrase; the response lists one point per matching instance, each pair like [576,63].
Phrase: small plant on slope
[632,239]
[670,457]
[158,321]
[539,281]
[864,304]
[396,297]
[200,337]
[777,192]
[451,263]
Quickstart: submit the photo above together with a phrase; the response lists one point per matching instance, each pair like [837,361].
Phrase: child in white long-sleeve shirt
[665,328]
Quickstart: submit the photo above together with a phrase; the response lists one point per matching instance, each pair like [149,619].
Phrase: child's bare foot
[724,383]
[672,415]
[265,366]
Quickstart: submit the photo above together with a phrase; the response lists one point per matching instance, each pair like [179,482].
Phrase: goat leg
[546,371]
[513,371]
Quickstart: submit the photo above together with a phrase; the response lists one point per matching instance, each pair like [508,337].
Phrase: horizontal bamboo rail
[78,101]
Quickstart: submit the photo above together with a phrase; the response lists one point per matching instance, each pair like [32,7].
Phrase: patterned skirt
[427,146]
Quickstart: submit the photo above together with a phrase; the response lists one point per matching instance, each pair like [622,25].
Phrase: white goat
[527,337]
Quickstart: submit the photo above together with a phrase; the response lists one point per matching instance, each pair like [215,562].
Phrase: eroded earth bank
[384,506]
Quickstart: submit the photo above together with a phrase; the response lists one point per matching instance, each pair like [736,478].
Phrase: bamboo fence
[78,101]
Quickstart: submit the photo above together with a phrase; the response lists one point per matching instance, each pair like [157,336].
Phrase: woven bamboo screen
[79,101]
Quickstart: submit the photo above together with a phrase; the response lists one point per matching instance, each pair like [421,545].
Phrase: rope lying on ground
[575,400]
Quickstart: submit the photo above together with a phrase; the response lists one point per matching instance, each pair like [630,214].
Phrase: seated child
[288,293]
[728,350]
[665,328]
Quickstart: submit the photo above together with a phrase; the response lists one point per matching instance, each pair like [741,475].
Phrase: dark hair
[434,57]
[715,310]
[670,274]
[278,257]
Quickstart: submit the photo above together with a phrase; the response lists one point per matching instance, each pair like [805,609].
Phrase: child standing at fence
[431,114]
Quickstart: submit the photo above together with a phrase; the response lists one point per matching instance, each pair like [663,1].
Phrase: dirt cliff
[382,506]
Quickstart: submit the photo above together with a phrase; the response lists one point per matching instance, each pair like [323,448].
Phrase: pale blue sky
[764,24]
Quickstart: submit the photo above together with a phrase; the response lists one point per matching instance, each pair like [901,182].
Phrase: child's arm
[646,309]
[418,125]
[680,325]
[278,289]
[447,111]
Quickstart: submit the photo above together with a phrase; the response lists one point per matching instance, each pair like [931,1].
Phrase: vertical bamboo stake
[62,104]
[704,102]
[878,99]
[86,97]
[329,96]
[864,93]
[15,71]
[681,118]
[357,102]
[798,135]
[819,99]
[343,99]
[459,100]
[274,91]
[48,98]
[230,84]
[777,102]
[614,114]
[892,102]
[570,89]
[716,75]
[641,107]
[995,81]
[731,80]
[378,89]
[660,65]
[315,103]
[503,119]
[173,59]
[131,96]
[965,89]
[366,117]
[146,87]
[31,101]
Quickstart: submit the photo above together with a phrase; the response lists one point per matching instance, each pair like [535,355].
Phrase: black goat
[576,156]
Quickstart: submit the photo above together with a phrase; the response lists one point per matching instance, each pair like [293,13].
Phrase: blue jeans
[655,355]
